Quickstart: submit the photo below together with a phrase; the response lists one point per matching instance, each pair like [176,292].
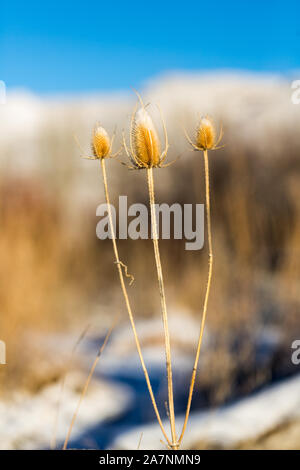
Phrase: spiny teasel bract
[145,148]
[205,136]
[145,140]
[101,145]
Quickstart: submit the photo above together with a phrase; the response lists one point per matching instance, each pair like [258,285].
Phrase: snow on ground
[184,331]
[29,422]
[120,352]
[117,393]
[228,425]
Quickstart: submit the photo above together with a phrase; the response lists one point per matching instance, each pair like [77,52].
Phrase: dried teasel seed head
[206,134]
[100,143]
[145,141]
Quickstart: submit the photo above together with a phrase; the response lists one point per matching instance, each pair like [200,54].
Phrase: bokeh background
[67,66]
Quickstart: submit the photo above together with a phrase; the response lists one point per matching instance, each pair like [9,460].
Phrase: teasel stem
[86,385]
[62,385]
[210,266]
[174,444]
[126,298]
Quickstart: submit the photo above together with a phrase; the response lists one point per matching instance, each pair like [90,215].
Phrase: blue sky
[64,46]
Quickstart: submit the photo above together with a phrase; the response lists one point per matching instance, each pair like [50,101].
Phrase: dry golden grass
[41,268]
[284,437]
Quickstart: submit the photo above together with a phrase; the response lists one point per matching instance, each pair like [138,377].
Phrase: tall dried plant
[144,152]
[102,149]
[204,140]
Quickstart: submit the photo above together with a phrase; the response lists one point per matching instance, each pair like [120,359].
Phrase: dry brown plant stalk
[62,385]
[87,383]
[205,140]
[102,146]
[163,306]
[145,153]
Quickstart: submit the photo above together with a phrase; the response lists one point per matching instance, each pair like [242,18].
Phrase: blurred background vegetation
[57,276]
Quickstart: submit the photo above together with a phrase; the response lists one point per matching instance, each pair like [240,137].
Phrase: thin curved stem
[62,386]
[86,385]
[210,266]
[163,306]
[124,290]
